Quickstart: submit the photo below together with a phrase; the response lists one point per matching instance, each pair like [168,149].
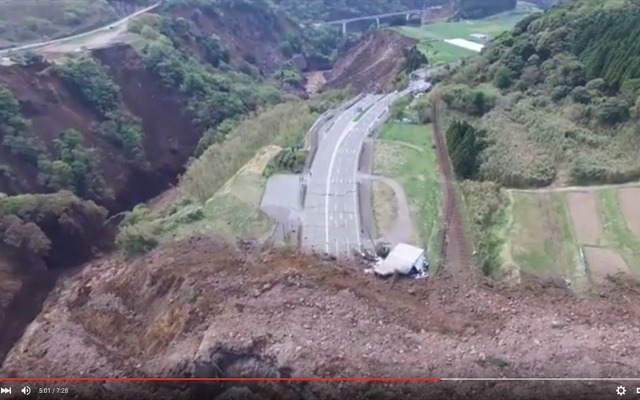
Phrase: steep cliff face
[39,235]
[52,107]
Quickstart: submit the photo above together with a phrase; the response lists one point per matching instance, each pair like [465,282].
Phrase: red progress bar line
[221,379]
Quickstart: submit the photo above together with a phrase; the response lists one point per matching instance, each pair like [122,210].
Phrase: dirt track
[455,247]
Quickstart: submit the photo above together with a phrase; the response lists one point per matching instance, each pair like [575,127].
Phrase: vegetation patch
[42,227]
[617,234]
[290,159]
[485,204]
[561,114]
[385,207]
[541,237]
[89,79]
[405,152]
[232,211]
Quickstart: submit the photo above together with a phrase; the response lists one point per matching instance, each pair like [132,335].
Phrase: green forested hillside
[560,97]
[482,8]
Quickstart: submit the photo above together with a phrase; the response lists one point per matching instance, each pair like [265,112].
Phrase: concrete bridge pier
[344,28]
[407,16]
[377,22]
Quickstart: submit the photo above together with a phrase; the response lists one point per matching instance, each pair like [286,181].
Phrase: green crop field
[437,51]
[431,35]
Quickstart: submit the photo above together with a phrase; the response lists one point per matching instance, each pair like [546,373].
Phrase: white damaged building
[403,259]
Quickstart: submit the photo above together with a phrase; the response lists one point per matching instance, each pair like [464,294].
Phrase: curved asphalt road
[331,215]
[107,27]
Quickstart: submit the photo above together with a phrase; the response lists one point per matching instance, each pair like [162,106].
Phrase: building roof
[400,259]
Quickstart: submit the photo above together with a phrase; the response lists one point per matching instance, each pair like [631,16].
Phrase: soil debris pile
[201,306]
[372,63]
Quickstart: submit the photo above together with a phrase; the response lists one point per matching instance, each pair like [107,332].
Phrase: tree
[502,78]
[89,78]
[413,59]
[612,111]
[464,144]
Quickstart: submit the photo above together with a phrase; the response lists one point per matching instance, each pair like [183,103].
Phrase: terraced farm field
[586,235]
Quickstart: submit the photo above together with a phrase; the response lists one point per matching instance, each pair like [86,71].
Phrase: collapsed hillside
[115,126]
[372,63]
[37,233]
[252,31]
[182,307]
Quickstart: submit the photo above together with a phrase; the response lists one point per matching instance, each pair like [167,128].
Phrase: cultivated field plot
[405,153]
[235,209]
[576,234]
[540,237]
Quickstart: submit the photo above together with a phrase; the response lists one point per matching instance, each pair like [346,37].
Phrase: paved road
[331,214]
[108,27]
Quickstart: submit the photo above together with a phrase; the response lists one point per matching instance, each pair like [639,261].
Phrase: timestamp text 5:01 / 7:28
[53,390]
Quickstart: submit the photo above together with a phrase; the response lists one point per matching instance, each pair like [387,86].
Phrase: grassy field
[231,211]
[541,237]
[405,152]
[616,230]
[442,52]
[431,35]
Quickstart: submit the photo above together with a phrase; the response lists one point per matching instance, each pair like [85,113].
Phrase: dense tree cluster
[609,45]
[76,168]
[31,224]
[588,53]
[14,130]
[413,59]
[464,143]
[214,94]
[89,79]
[481,8]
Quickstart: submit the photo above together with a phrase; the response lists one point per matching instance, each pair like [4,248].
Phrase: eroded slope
[185,300]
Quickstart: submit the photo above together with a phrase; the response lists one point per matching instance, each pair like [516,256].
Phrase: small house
[403,259]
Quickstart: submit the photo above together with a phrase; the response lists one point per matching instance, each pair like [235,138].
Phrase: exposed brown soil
[371,63]
[629,198]
[153,316]
[603,262]
[585,217]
